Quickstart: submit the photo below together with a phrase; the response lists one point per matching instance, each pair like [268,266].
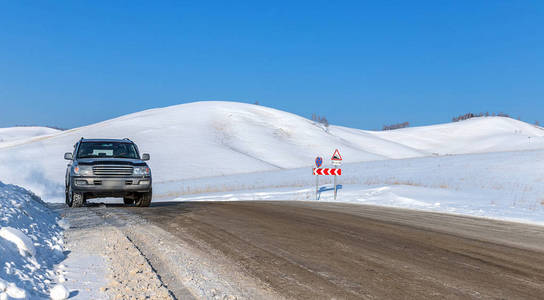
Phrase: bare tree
[471,115]
[463,117]
[324,121]
[319,119]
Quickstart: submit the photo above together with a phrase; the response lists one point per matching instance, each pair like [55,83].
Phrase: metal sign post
[335,186]
[316,187]
[318,163]
[336,160]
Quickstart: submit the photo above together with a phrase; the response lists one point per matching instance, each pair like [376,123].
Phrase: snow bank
[23,242]
[206,139]
[30,244]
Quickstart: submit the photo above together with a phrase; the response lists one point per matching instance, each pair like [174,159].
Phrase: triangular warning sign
[336,155]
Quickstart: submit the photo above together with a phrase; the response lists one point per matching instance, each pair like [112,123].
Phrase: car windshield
[107,150]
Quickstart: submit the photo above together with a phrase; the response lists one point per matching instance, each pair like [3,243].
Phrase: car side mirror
[145,156]
[68,156]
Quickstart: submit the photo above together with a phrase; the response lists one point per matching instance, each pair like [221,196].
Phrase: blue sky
[361,64]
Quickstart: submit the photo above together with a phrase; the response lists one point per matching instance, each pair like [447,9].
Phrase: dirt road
[324,251]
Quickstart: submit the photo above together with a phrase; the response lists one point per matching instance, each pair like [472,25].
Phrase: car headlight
[83,170]
[141,171]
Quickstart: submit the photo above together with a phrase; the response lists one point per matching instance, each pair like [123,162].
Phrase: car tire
[144,199]
[127,200]
[78,199]
[67,196]
[74,199]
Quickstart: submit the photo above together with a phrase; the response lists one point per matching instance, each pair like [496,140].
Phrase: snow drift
[30,244]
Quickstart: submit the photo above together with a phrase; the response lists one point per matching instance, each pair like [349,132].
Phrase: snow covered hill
[11,134]
[477,135]
[205,139]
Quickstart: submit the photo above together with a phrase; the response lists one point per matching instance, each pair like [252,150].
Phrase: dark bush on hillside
[319,119]
[396,126]
[472,115]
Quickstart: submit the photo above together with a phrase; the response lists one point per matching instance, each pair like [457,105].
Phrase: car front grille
[112,170]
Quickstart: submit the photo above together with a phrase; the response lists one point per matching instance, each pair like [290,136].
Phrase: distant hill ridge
[204,139]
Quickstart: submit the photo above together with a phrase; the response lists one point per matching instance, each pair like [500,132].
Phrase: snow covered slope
[206,139]
[484,134]
[11,134]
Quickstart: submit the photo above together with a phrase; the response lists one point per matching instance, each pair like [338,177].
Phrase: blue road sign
[318,161]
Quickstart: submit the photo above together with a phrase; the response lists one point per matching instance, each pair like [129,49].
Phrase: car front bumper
[111,184]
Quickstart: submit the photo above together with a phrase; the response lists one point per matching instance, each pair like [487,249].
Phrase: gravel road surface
[323,250]
[308,250]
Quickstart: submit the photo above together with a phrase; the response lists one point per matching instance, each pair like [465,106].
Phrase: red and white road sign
[336,156]
[327,171]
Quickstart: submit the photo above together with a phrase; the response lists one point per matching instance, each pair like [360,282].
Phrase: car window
[107,150]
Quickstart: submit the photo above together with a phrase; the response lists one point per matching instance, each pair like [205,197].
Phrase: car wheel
[78,199]
[74,199]
[144,199]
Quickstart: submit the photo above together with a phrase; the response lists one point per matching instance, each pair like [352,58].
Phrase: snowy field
[503,185]
[232,151]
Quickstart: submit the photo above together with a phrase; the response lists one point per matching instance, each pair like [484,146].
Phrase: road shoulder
[103,263]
